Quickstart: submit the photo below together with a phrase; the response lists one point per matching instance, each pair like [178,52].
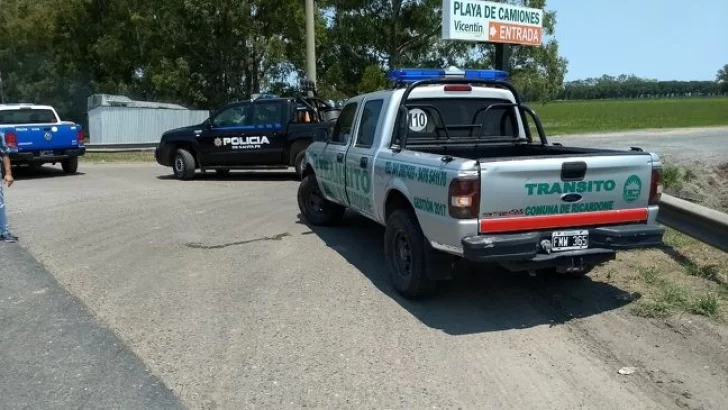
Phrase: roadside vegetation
[707,186]
[98,157]
[689,278]
[685,276]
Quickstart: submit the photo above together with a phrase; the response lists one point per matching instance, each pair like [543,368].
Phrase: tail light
[656,186]
[464,198]
[79,136]
[11,139]
[458,87]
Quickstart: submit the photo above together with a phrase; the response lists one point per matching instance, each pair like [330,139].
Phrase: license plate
[569,240]
[46,153]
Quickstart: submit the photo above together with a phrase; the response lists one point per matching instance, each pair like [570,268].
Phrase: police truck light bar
[406,75]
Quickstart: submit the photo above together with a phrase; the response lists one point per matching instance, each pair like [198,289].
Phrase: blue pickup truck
[37,136]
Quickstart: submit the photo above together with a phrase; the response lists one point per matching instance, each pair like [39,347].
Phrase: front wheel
[70,165]
[316,209]
[298,163]
[408,255]
[184,165]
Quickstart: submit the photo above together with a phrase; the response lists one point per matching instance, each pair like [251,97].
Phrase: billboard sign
[487,21]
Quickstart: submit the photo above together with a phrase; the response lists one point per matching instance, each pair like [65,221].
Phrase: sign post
[492,22]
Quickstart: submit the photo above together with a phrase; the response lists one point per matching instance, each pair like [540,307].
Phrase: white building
[115,119]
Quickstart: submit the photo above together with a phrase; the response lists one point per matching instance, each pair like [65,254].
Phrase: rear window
[462,118]
[26,116]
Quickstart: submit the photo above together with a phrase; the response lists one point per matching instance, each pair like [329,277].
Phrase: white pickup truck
[448,162]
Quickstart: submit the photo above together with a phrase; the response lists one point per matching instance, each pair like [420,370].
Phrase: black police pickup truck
[265,131]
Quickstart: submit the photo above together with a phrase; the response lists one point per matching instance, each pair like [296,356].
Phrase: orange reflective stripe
[530,223]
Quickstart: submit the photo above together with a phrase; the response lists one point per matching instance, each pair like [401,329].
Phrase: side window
[267,114]
[235,116]
[368,124]
[304,115]
[344,124]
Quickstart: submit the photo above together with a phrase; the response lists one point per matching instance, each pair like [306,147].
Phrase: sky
[659,39]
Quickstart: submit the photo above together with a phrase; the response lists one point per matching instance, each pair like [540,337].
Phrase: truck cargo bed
[485,153]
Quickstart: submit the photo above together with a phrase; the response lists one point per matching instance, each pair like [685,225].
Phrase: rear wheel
[409,256]
[70,165]
[183,165]
[316,209]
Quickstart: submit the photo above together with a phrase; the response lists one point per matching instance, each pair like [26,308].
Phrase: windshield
[460,118]
[27,116]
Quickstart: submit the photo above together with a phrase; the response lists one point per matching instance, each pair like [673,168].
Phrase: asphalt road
[231,301]
[54,355]
[704,145]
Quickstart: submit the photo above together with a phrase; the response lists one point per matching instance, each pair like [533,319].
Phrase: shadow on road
[25,173]
[480,301]
[242,175]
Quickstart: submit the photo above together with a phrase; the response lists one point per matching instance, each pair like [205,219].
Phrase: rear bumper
[58,155]
[526,250]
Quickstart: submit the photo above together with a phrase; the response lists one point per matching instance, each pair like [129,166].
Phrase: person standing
[7,179]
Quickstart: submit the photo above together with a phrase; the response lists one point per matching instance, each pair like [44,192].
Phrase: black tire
[409,256]
[222,172]
[298,163]
[316,209]
[70,165]
[183,165]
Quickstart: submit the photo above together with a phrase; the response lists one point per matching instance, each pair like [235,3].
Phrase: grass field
[574,117]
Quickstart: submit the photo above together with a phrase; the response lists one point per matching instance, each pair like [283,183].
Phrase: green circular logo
[632,189]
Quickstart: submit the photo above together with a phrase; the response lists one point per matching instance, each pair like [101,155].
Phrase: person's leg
[4,229]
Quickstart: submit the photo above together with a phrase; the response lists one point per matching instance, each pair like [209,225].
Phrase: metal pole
[502,57]
[310,44]
[2,94]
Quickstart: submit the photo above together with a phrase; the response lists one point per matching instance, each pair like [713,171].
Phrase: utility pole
[2,90]
[502,57]
[310,45]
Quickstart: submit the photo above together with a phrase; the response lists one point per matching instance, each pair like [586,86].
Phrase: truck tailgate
[46,137]
[564,192]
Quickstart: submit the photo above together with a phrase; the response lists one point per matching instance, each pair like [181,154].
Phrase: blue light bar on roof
[406,75]
[486,75]
[415,74]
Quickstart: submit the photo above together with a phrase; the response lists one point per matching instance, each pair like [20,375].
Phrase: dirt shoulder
[675,330]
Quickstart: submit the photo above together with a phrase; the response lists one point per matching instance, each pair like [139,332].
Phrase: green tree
[397,33]
[722,78]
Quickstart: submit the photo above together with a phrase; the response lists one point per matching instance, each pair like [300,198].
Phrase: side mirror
[207,124]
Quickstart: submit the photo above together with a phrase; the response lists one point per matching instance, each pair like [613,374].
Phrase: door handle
[363,162]
[340,157]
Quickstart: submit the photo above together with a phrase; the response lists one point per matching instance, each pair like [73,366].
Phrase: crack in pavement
[278,237]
